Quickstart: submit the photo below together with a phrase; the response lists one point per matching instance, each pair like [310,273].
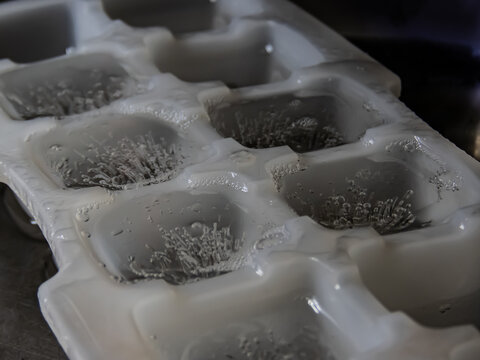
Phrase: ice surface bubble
[443,178]
[301,135]
[271,238]
[385,216]
[303,124]
[280,171]
[82,215]
[268,346]
[261,342]
[358,206]
[117,232]
[191,253]
[197,207]
[55,147]
[59,98]
[141,160]
[407,145]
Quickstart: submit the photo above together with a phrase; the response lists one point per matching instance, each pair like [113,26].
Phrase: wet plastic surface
[181,197]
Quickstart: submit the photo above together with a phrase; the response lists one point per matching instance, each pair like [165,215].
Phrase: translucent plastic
[231,179]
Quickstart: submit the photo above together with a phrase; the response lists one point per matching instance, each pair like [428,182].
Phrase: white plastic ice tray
[231,179]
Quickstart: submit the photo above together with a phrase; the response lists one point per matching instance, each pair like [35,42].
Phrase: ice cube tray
[231,179]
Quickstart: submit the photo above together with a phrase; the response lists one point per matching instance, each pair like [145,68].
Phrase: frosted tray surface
[231,179]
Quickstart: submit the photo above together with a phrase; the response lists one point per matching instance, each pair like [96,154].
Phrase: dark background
[432,45]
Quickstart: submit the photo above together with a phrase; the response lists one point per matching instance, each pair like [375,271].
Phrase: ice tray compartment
[64,87]
[178,237]
[38,33]
[250,53]
[172,177]
[389,190]
[288,331]
[179,16]
[113,152]
[424,278]
[311,121]
[280,315]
